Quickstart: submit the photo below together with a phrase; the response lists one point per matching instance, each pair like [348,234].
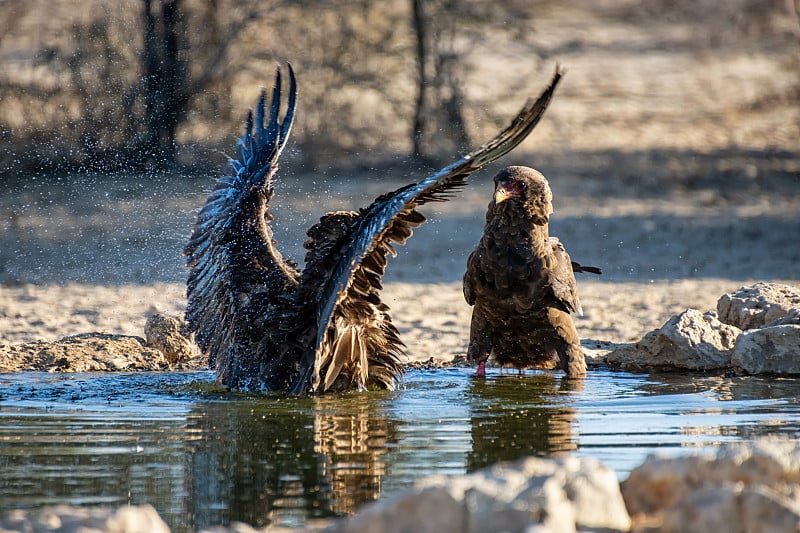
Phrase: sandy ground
[673,158]
[661,258]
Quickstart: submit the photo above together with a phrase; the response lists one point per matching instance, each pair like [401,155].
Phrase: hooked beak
[504,191]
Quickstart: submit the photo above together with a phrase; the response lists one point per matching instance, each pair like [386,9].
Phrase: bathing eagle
[264,324]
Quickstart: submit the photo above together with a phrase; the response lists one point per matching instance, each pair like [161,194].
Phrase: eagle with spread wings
[264,324]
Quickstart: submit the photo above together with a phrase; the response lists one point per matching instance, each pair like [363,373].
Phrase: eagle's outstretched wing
[239,285]
[353,279]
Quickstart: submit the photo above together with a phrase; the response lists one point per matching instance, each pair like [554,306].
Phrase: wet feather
[264,324]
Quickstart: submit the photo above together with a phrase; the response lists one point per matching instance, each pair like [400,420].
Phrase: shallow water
[203,457]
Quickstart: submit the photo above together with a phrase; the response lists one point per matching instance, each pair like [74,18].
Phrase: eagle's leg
[480,345]
[570,356]
[573,362]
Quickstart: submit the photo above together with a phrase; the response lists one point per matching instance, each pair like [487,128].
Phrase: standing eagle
[264,324]
[520,281]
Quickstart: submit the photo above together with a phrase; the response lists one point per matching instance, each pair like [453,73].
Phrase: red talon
[481,372]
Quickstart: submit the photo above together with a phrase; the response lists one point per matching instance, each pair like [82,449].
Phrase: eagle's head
[523,190]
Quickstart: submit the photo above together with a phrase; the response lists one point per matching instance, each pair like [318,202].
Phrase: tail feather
[344,351]
[577,267]
[350,354]
[363,363]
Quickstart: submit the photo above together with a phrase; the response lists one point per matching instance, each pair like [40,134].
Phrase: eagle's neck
[515,228]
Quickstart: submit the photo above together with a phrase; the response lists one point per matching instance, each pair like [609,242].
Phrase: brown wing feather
[561,278]
[361,321]
[468,284]
[577,267]
[390,220]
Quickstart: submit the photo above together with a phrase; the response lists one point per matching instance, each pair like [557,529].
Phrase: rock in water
[86,352]
[166,334]
[758,305]
[774,350]
[691,340]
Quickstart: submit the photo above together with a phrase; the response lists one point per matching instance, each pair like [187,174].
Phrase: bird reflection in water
[284,462]
[288,461]
[519,414]
[352,444]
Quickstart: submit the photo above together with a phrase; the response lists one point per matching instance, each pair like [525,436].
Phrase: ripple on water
[202,456]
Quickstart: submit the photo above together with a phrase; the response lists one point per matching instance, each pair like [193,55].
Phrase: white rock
[734,508]
[751,486]
[773,461]
[594,492]
[691,340]
[660,483]
[792,317]
[425,510]
[757,305]
[128,519]
[774,349]
[533,494]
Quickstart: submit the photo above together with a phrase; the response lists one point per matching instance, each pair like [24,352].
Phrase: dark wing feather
[468,283]
[561,278]
[234,269]
[360,313]
[388,218]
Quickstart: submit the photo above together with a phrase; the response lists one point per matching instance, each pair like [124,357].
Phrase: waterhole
[202,456]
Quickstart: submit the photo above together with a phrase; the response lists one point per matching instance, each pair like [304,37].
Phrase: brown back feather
[562,279]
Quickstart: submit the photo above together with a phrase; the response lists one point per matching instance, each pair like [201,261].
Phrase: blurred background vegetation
[678,122]
[136,84]
[159,84]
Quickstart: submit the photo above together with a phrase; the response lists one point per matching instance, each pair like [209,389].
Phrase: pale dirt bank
[432,317]
[91,265]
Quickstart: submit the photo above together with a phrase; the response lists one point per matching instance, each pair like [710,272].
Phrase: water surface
[202,456]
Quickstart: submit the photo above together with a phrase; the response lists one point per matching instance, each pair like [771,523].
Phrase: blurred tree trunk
[217,100]
[439,126]
[164,79]
[167,85]
[421,31]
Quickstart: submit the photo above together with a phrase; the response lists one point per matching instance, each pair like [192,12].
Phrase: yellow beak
[501,194]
